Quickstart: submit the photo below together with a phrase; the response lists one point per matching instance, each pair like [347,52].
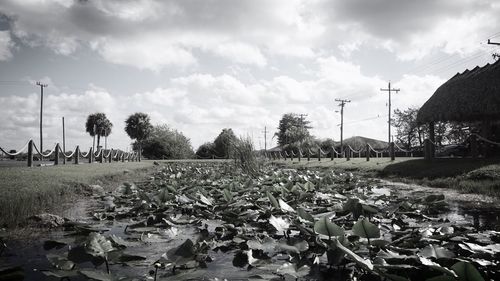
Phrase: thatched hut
[471,96]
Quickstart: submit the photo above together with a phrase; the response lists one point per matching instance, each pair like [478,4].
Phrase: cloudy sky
[203,65]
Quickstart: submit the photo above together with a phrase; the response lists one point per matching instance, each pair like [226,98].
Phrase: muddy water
[477,210]
[482,211]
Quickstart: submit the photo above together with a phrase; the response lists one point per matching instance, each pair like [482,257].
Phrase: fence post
[91,156]
[299,154]
[473,146]
[367,152]
[56,155]
[77,155]
[291,155]
[110,156]
[64,157]
[101,156]
[347,153]
[30,153]
[319,154]
[391,151]
[332,154]
[123,157]
[427,149]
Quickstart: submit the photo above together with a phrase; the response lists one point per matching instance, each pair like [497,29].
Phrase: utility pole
[493,43]
[495,55]
[342,104]
[389,89]
[265,139]
[41,113]
[302,125]
[64,136]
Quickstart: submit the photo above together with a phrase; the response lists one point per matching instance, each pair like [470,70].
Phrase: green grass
[28,191]
[480,176]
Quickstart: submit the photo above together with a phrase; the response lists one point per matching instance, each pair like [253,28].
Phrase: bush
[245,156]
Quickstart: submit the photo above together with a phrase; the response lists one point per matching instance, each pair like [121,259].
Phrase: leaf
[182,254]
[436,252]
[326,227]
[393,277]
[436,266]
[281,225]
[366,264]
[297,247]
[228,196]
[97,275]
[305,215]
[285,207]
[97,245]
[205,200]
[273,200]
[60,262]
[12,273]
[467,272]
[293,270]
[369,209]
[366,229]
[442,278]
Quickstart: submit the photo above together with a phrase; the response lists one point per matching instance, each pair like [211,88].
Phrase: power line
[365,119]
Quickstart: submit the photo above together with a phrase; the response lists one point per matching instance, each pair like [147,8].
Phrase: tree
[224,142]
[327,144]
[293,130]
[138,126]
[206,150]
[98,125]
[407,129]
[166,143]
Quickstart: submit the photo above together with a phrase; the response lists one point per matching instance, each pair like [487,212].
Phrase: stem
[369,247]
[107,264]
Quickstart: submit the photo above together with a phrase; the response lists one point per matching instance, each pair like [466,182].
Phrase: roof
[472,95]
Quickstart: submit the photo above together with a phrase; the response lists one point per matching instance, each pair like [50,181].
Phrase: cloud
[200,105]
[241,53]
[6,45]
[144,53]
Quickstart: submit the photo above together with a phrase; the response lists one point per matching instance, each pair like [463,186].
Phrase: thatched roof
[473,95]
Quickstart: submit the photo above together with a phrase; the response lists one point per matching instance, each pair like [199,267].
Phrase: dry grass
[27,191]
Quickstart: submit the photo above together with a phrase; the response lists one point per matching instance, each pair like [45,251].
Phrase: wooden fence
[348,152]
[91,156]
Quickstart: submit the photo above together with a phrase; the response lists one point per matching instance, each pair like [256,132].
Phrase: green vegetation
[166,143]
[210,220]
[29,191]
[98,125]
[481,176]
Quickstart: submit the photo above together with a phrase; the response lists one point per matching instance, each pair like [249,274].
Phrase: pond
[206,221]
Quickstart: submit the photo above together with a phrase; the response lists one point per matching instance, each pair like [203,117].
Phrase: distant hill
[358,142]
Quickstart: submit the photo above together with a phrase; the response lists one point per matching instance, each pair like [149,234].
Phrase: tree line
[293,132]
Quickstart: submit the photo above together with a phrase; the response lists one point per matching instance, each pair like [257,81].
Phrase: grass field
[27,191]
[467,175]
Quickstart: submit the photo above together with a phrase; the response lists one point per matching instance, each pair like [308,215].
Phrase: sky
[203,65]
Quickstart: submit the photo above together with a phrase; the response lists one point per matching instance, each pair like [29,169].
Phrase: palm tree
[138,126]
[98,125]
